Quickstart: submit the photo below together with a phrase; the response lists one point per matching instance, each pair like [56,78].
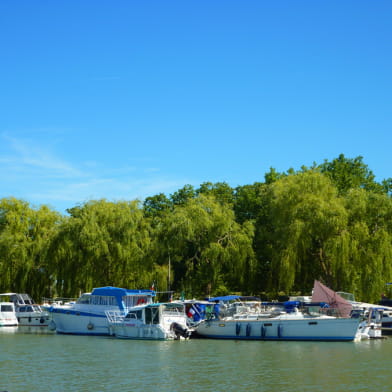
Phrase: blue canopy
[117,291]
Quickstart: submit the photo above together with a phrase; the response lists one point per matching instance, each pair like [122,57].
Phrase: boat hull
[146,332]
[66,321]
[34,319]
[343,329]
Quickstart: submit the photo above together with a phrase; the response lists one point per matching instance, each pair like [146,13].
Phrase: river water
[38,360]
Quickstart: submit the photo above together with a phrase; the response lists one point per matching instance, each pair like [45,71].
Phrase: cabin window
[137,314]
[84,299]
[7,308]
[104,300]
[152,315]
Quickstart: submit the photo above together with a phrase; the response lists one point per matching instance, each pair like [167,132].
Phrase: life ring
[140,301]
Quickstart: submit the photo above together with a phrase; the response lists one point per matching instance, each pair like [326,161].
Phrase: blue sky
[127,99]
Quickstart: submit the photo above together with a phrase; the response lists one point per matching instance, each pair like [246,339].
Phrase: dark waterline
[32,360]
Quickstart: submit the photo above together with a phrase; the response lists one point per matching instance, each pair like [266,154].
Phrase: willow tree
[304,233]
[370,226]
[25,236]
[209,252]
[103,243]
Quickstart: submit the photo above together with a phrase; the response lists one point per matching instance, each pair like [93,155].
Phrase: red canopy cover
[322,293]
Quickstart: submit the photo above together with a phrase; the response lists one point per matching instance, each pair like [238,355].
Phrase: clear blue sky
[125,99]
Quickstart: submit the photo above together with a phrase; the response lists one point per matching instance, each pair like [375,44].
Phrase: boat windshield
[29,308]
[134,315]
[173,308]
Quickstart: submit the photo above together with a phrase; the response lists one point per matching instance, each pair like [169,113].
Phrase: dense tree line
[331,222]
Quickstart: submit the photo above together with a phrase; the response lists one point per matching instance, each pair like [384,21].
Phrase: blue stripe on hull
[77,313]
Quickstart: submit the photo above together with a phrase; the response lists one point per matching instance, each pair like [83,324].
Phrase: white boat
[87,315]
[371,309]
[157,321]
[27,311]
[7,314]
[292,325]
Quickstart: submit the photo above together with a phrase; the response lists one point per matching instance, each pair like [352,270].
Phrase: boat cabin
[155,313]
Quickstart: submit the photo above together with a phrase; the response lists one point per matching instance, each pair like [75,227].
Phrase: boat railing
[115,316]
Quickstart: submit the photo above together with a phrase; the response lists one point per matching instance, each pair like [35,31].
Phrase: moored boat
[7,315]
[27,311]
[87,315]
[156,321]
[291,324]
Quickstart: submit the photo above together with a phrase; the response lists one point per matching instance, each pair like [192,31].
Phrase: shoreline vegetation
[331,222]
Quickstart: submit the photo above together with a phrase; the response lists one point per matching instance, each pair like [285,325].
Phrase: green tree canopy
[209,251]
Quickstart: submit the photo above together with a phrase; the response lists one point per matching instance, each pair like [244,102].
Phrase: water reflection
[85,363]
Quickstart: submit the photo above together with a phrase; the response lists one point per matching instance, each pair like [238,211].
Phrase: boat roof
[117,291]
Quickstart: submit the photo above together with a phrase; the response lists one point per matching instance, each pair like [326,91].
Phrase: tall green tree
[221,191]
[184,194]
[155,206]
[370,227]
[303,232]
[25,237]
[210,253]
[348,173]
[103,243]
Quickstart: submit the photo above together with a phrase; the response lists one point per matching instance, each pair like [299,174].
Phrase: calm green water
[31,361]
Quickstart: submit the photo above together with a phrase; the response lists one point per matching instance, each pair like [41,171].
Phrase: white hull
[143,332]
[72,321]
[150,322]
[7,315]
[8,322]
[34,319]
[322,329]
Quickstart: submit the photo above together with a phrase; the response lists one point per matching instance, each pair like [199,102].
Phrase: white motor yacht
[87,316]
